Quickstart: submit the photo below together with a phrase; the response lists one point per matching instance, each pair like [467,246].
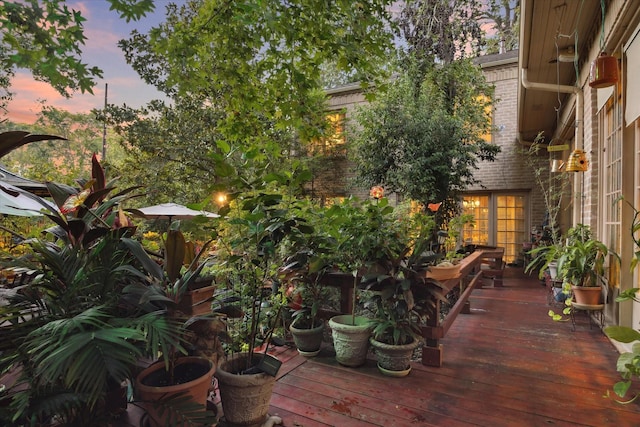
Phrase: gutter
[550,87]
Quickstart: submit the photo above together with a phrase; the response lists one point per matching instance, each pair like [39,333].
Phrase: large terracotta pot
[245,398]
[149,390]
[351,341]
[587,295]
[394,360]
[308,340]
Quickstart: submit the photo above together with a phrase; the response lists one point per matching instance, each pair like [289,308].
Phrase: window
[478,206]
[511,229]
[334,142]
[611,136]
[500,220]
[488,111]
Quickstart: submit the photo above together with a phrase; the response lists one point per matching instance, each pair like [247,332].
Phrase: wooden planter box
[195,303]
[443,272]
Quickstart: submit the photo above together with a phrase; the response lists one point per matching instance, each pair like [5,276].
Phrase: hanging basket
[604,71]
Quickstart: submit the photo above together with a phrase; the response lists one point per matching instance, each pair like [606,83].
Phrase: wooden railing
[471,273]
[485,262]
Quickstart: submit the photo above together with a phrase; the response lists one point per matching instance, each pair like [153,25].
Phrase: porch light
[577,161]
[221,199]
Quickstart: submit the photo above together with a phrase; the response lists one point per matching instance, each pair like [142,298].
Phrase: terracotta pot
[587,295]
[197,388]
[245,398]
[394,360]
[308,340]
[351,341]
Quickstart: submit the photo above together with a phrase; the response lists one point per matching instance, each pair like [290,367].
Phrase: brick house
[506,204]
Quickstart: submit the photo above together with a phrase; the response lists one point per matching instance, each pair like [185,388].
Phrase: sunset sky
[103,28]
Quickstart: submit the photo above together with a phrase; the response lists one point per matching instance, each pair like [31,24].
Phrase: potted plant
[259,227]
[367,237]
[448,267]
[178,376]
[400,298]
[581,264]
[302,275]
[72,334]
[629,361]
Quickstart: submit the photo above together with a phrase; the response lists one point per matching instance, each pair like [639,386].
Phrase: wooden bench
[492,264]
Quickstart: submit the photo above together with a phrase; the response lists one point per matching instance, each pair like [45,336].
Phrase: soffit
[547,27]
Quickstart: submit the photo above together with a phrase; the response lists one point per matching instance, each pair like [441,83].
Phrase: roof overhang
[549,31]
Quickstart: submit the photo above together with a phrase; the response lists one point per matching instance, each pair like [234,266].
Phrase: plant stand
[595,310]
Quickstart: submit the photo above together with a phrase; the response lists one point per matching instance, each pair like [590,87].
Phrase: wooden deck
[505,364]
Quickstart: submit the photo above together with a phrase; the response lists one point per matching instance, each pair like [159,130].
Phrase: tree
[45,37]
[251,74]
[425,144]
[505,16]
[59,161]
[440,31]
[424,138]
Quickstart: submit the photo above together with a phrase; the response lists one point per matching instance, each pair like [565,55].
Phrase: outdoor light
[221,199]
[577,161]
[377,192]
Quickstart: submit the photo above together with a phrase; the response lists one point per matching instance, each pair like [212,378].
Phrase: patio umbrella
[173,211]
[14,201]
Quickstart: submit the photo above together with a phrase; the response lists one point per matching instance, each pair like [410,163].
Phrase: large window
[611,135]
[500,220]
[511,229]
[478,206]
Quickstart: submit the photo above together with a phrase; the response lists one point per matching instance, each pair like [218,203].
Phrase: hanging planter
[604,71]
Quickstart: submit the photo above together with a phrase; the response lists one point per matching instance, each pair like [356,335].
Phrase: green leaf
[622,333]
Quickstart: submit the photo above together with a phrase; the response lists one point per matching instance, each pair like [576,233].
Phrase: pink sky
[103,29]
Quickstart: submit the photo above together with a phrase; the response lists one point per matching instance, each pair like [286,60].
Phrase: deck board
[505,364]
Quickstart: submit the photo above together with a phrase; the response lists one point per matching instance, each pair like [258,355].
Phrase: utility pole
[104,125]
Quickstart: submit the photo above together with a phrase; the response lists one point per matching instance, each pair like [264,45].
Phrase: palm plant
[71,334]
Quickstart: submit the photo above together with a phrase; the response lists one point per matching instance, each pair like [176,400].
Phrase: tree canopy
[423,139]
[246,80]
[46,38]
[421,144]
